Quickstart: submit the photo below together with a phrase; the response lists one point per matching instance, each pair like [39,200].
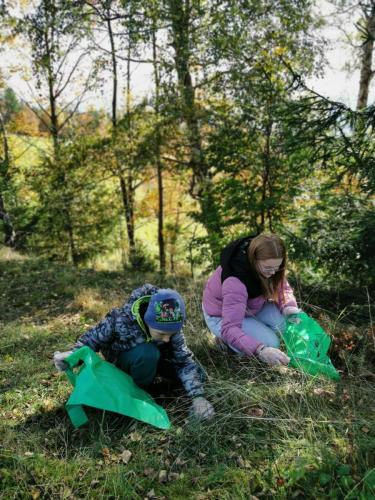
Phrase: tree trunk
[266,179]
[201,185]
[159,166]
[367,72]
[126,182]
[9,231]
[128,202]
[114,72]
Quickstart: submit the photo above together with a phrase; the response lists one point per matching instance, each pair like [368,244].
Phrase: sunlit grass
[277,433]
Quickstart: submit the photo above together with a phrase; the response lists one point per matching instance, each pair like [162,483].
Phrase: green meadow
[277,432]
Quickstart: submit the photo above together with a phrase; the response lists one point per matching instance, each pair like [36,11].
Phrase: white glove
[202,409]
[288,310]
[272,356]
[58,359]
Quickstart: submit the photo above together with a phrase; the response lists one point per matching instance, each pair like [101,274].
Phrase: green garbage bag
[307,345]
[104,386]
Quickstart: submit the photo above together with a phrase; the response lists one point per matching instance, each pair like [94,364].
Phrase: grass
[277,433]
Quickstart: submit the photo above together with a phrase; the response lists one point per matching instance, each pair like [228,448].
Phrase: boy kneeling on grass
[144,338]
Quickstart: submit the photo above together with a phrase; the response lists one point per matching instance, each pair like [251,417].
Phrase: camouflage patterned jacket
[122,329]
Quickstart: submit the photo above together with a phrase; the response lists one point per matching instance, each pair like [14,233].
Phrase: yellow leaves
[106,455]
[34,493]
[48,404]
[279,51]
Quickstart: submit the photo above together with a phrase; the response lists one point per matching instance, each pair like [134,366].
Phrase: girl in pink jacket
[247,298]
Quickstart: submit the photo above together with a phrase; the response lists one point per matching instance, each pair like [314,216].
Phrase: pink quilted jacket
[230,301]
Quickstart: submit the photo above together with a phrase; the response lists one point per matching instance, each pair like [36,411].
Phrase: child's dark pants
[143,362]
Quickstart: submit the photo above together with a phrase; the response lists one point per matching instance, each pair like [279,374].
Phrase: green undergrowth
[277,433]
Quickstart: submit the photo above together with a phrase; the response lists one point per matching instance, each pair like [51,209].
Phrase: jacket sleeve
[146,289]
[286,296]
[233,313]
[188,371]
[100,335]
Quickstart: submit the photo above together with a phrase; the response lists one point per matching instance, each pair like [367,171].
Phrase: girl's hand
[272,356]
[288,311]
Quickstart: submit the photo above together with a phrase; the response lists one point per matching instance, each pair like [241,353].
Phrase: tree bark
[201,185]
[8,227]
[126,182]
[159,165]
[266,179]
[367,72]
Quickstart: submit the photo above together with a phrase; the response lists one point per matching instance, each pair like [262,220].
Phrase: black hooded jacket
[234,262]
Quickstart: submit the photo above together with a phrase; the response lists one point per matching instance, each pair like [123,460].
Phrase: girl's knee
[272,341]
[279,326]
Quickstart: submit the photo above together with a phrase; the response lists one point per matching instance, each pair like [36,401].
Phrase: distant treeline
[230,140]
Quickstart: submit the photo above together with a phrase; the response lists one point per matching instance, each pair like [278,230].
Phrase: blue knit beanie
[165,311]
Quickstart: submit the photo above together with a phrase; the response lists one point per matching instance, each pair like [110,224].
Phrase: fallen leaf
[163,477]
[48,404]
[173,476]
[243,463]
[106,452]
[34,493]
[201,455]
[318,391]
[125,456]
[255,412]
[180,461]
[150,494]
[29,454]
[67,493]
[135,436]
[106,455]
[148,472]
[365,429]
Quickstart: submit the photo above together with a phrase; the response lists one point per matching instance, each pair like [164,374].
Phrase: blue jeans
[266,326]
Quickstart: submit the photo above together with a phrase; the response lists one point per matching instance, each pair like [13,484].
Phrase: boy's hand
[58,359]
[272,356]
[202,409]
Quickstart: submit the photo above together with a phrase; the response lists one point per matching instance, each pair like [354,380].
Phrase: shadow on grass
[64,440]
[42,288]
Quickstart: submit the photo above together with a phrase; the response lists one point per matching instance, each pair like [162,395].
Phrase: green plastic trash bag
[307,345]
[101,385]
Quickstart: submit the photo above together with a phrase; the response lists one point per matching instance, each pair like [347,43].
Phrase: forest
[137,139]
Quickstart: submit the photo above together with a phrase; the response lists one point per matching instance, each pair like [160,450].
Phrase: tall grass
[277,432]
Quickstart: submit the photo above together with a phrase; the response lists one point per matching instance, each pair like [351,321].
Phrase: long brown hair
[263,247]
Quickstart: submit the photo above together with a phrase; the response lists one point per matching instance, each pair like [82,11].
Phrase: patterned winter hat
[165,311]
